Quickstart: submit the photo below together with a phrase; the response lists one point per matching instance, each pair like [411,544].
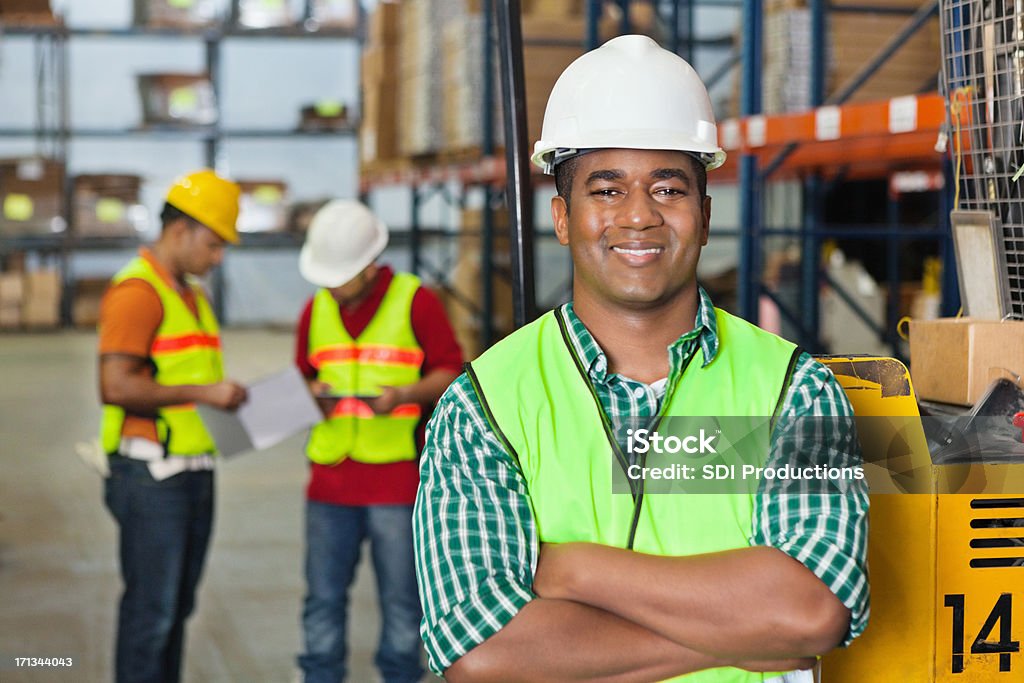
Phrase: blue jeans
[334,536]
[165,530]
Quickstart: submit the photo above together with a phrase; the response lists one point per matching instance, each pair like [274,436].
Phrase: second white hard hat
[629,93]
[344,238]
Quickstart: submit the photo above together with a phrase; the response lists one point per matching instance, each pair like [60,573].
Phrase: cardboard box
[12,292]
[107,205]
[41,308]
[953,360]
[326,115]
[263,206]
[85,306]
[379,63]
[12,289]
[31,197]
[10,317]
[467,281]
[177,14]
[26,12]
[177,99]
[383,24]
[378,135]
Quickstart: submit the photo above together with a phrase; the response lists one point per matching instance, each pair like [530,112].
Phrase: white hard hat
[344,238]
[629,93]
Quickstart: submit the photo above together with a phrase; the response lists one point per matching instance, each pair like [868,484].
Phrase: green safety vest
[538,398]
[385,354]
[184,351]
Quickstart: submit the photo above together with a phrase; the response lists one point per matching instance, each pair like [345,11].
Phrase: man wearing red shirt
[378,351]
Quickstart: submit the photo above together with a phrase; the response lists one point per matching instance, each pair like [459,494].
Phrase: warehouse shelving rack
[831,143]
[488,173]
[53,130]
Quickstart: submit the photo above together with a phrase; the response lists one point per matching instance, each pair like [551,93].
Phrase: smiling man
[530,567]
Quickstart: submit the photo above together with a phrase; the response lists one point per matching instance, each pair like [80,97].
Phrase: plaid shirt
[474,529]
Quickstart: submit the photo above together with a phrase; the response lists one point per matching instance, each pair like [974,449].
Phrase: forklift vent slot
[997,542]
[989,562]
[997,523]
[991,503]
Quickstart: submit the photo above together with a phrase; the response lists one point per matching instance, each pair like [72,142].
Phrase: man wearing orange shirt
[159,351]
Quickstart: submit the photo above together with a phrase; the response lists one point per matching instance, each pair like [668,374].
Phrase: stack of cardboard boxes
[378,134]
[40,308]
[420,95]
[12,292]
[465,303]
[85,305]
[435,65]
[854,38]
[857,37]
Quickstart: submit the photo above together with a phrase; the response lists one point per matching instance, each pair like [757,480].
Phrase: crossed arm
[589,612]
[608,614]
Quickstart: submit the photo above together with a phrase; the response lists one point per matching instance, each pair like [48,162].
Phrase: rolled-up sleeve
[475,538]
[823,527]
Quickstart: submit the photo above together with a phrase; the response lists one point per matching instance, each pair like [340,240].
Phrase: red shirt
[359,483]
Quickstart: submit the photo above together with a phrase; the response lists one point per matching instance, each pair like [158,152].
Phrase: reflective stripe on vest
[552,422]
[186,350]
[386,353]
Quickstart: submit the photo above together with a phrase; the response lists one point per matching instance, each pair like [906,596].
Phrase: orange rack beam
[869,137]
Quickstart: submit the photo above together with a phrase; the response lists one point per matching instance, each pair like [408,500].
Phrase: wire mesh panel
[983,69]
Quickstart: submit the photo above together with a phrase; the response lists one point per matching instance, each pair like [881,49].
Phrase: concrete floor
[59,580]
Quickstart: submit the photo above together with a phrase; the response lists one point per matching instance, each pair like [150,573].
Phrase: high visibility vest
[386,353]
[551,419]
[185,350]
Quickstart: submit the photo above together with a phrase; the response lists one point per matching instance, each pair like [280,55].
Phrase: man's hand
[389,399]
[319,388]
[226,395]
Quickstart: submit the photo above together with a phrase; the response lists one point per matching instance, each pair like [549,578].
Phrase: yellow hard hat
[209,199]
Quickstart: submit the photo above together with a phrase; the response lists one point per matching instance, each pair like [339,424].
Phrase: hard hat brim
[652,140]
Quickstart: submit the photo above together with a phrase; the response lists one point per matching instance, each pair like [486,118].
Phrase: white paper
[278,406]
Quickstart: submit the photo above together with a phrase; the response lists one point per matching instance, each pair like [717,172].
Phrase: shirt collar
[705,331]
[147,254]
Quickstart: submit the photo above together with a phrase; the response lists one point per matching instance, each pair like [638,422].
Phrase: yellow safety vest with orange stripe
[386,353]
[185,350]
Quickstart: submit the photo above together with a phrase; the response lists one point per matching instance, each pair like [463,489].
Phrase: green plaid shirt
[474,530]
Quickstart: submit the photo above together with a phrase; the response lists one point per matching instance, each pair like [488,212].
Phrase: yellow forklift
[946,544]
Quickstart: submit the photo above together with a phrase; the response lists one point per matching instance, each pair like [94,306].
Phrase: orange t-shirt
[130,315]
